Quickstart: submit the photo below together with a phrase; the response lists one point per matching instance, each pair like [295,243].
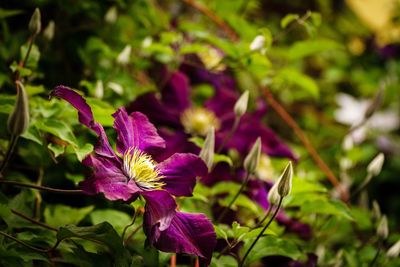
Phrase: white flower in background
[124,57]
[116,87]
[111,15]
[265,170]
[147,42]
[99,89]
[258,43]
[352,112]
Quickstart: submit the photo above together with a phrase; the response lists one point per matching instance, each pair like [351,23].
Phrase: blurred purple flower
[136,173]
[174,109]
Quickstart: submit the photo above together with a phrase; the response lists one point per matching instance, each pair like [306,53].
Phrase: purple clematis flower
[174,109]
[135,173]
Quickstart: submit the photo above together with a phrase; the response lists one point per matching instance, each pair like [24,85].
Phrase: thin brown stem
[38,196]
[42,188]
[215,18]
[172,261]
[303,138]
[34,221]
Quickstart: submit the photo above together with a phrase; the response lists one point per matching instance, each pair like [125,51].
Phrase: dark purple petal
[107,178]
[249,130]
[176,142]
[180,171]
[258,192]
[176,92]
[156,111]
[135,130]
[159,210]
[188,233]
[222,104]
[85,116]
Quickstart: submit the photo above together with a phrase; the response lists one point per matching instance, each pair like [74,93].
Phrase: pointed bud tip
[18,121]
[375,166]
[383,228]
[285,182]
[241,104]
[253,158]
[35,24]
[207,151]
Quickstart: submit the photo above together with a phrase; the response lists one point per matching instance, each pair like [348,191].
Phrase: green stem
[222,215]
[38,196]
[26,244]
[266,216]
[129,225]
[372,263]
[229,135]
[133,233]
[366,181]
[10,150]
[262,232]
[42,188]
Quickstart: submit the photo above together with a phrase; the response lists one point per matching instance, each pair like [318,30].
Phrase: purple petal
[159,210]
[176,142]
[107,178]
[85,116]
[188,233]
[176,92]
[222,103]
[258,192]
[249,130]
[135,130]
[180,171]
[156,111]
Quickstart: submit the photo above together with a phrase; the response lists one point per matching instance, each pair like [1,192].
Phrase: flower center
[142,169]
[198,121]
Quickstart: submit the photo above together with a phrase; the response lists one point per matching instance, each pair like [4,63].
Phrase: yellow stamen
[198,121]
[142,169]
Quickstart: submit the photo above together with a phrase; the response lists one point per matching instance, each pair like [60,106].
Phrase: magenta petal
[176,92]
[135,130]
[180,171]
[85,115]
[160,208]
[107,178]
[188,233]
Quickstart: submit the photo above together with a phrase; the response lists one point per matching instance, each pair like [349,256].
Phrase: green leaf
[34,55]
[222,158]
[59,215]
[294,77]
[5,13]
[289,18]
[57,128]
[198,141]
[330,207]
[33,134]
[223,261]
[103,233]
[102,111]
[56,149]
[269,246]
[82,151]
[306,48]
[117,219]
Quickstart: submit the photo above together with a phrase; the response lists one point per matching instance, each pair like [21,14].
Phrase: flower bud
[375,166]
[348,143]
[376,210]
[394,251]
[241,104]
[35,24]
[207,152]
[99,89]
[49,31]
[273,195]
[111,15]
[124,57]
[383,229]
[18,121]
[257,43]
[253,158]
[285,181]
